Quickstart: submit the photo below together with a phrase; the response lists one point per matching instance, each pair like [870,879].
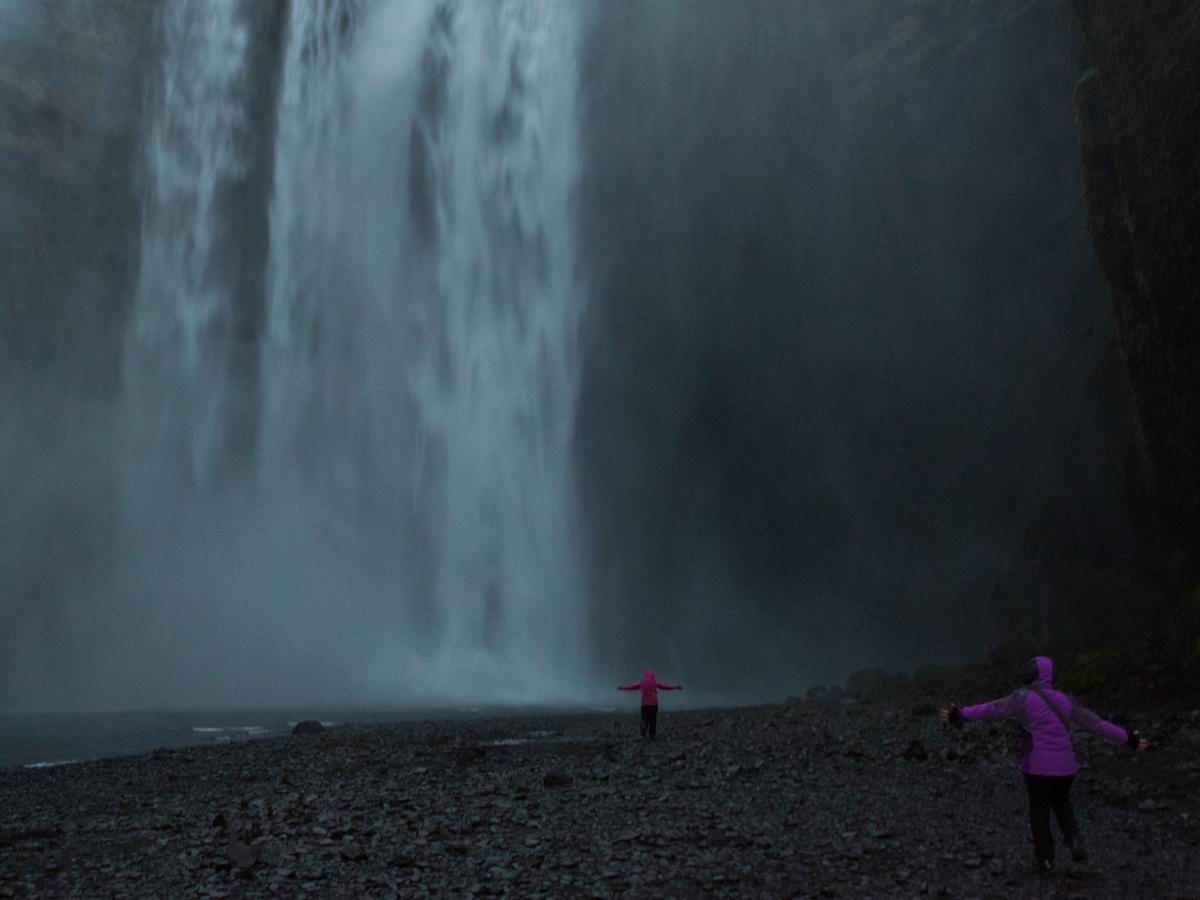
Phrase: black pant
[649,720]
[1048,792]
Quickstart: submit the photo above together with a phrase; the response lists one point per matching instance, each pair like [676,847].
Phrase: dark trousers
[1047,792]
[649,720]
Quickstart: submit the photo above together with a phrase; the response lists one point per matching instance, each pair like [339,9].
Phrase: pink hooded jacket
[650,688]
[1047,748]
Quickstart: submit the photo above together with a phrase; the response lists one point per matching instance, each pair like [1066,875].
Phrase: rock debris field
[802,799]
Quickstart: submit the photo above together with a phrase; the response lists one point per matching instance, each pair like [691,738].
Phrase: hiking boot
[1078,850]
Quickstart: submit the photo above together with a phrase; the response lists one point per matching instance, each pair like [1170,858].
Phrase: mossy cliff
[1139,113]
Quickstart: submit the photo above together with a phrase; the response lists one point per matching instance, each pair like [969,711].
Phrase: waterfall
[410,496]
[496,392]
[177,361]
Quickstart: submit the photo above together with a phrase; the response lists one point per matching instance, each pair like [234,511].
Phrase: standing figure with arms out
[649,688]
[1047,757]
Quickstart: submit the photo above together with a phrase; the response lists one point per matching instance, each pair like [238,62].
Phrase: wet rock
[809,818]
[310,727]
[557,779]
[244,856]
[352,852]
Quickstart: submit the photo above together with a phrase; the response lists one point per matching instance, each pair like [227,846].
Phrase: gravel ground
[803,799]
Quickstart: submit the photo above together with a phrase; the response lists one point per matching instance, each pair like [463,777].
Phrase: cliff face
[1139,112]
[71,81]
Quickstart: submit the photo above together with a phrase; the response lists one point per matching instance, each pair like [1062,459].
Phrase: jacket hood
[649,676]
[1039,672]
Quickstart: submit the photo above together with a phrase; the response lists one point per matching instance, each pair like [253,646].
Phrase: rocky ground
[830,798]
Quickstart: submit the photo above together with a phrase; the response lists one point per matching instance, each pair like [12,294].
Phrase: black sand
[796,800]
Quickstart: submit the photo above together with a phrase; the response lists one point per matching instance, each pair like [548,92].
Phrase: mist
[446,352]
[849,359]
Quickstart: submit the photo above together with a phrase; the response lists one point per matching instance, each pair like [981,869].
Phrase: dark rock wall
[1139,113]
[71,85]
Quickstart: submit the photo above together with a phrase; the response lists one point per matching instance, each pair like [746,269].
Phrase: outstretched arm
[668,687]
[1004,708]
[1114,734]
[629,687]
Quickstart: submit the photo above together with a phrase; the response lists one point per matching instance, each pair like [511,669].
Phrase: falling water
[497,397]
[177,356]
[416,373]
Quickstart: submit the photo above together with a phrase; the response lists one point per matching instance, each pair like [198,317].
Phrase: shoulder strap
[1053,709]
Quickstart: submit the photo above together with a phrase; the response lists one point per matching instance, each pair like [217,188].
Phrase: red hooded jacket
[650,688]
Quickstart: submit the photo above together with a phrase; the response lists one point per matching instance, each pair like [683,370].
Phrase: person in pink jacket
[649,688]
[1047,756]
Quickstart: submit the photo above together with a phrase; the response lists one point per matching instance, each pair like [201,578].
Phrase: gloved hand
[953,716]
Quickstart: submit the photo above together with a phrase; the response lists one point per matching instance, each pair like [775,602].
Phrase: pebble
[758,801]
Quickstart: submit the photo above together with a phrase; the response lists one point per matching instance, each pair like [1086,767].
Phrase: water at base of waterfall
[43,740]
[48,740]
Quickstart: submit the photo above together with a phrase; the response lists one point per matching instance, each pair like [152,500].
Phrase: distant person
[650,689]
[1047,756]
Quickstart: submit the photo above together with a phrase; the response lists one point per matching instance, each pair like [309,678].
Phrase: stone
[555,778]
[809,819]
[310,727]
[244,856]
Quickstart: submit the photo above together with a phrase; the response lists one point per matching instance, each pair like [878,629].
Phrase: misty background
[450,351]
